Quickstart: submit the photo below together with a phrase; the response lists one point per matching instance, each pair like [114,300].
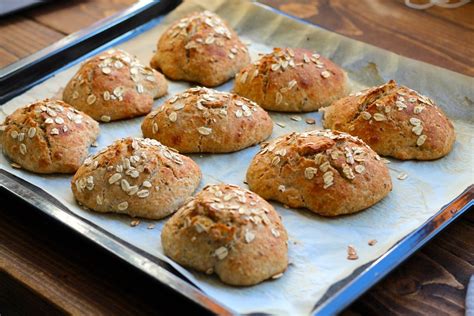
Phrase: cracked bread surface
[136,176]
[114,85]
[206,120]
[200,48]
[394,121]
[48,136]
[229,231]
[292,80]
[331,173]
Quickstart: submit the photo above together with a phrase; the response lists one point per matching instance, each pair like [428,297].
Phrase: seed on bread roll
[229,231]
[114,85]
[48,136]
[136,176]
[292,80]
[200,48]
[329,172]
[206,120]
[395,121]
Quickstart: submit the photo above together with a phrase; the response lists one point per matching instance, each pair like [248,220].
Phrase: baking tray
[335,299]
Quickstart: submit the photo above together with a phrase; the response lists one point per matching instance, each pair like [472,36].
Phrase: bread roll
[206,120]
[136,176]
[200,48]
[292,80]
[48,136]
[114,85]
[228,231]
[395,121]
[329,172]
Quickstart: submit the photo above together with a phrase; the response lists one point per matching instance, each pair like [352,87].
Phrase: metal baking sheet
[320,279]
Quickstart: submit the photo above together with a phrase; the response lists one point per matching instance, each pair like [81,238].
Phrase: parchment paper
[318,245]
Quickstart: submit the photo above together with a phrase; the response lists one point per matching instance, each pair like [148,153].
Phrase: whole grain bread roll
[292,80]
[329,172]
[200,48]
[114,85]
[228,231]
[136,176]
[395,121]
[206,120]
[48,136]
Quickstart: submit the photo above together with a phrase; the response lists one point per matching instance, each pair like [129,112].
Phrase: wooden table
[47,269]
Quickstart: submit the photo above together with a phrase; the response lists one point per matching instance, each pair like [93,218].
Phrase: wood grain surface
[31,30]
[45,269]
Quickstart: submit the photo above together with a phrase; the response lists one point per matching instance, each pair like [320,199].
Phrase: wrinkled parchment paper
[318,245]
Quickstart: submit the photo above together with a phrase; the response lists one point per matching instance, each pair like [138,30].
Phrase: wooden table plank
[16,299]
[462,16]
[6,57]
[20,37]
[70,16]
[33,29]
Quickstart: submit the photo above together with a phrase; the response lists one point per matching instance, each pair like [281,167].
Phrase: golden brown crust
[48,136]
[230,231]
[292,80]
[136,176]
[395,121]
[329,172]
[206,120]
[114,85]
[200,48]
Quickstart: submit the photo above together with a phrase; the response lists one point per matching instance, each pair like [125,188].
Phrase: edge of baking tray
[29,71]
[151,265]
[363,278]
[336,298]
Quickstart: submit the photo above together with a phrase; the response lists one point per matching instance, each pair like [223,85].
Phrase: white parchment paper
[318,245]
